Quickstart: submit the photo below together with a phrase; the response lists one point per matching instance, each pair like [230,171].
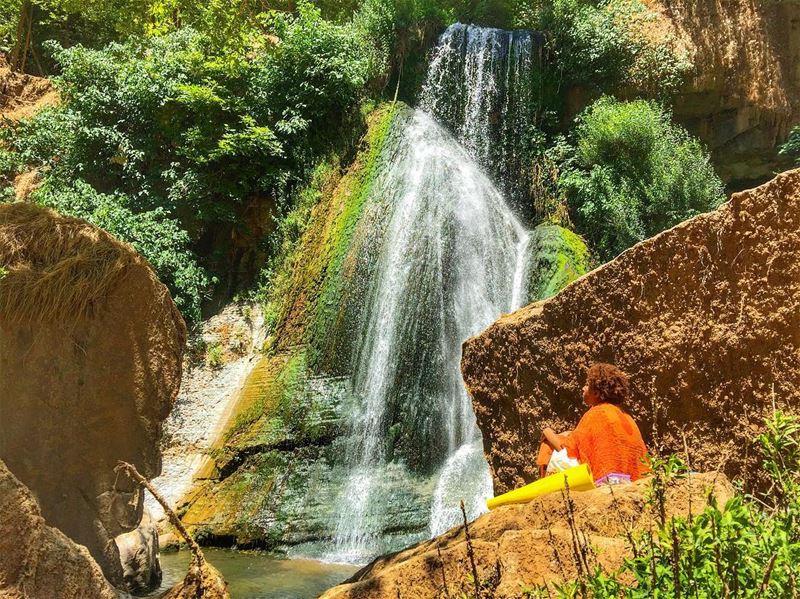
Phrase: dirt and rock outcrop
[37,560]
[90,359]
[743,95]
[530,545]
[21,95]
[703,317]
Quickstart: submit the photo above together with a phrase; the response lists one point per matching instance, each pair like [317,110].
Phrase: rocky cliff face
[703,317]
[90,363]
[744,95]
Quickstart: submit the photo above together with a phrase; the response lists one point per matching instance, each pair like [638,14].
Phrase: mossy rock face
[317,298]
[557,256]
[274,480]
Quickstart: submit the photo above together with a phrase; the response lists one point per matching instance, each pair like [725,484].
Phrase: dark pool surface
[253,575]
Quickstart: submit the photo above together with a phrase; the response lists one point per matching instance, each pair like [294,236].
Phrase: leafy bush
[26,24]
[170,131]
[161,120]
[632,174]
[153,234]
[215,356]
[792,145]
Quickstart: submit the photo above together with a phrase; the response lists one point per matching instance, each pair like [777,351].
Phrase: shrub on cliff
[602,45]
[630,173]
[197,138]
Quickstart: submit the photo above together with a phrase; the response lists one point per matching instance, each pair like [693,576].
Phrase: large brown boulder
[529,545]
[37,560]
[703,317]
[90,364]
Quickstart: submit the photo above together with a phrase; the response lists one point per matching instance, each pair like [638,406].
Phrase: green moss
[307,285]
[268,410]
[353,194]
[557,257]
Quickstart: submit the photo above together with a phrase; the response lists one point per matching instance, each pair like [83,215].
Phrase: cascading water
[482,85]
[450,261]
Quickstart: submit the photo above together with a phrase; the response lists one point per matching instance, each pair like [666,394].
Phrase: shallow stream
[253,575]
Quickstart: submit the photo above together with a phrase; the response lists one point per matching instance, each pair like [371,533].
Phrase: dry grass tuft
[55,267]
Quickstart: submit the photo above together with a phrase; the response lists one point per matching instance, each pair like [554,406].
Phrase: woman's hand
[552,438]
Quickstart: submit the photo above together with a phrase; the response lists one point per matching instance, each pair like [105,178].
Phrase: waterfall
[482,85]
[450,261]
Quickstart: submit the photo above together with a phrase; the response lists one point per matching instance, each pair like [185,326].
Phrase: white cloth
[560,461]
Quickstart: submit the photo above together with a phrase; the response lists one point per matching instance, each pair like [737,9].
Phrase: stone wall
[744,94]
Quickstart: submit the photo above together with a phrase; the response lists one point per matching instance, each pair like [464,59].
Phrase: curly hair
[609,383]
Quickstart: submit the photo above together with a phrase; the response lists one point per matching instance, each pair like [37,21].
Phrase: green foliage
[171,126]
[601,44]
[792,145]
[152,233]
[179,133]
[780,446]
[215,356]
[745,549]
[317,71]
[632,174]
[26,24]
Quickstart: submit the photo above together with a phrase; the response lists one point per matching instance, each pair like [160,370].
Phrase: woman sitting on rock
[606,437]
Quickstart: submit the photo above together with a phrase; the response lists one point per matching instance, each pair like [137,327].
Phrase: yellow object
[579,479]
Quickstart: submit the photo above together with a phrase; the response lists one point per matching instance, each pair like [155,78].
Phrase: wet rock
[703,317]
[556,257]
[220,357]
[138,553]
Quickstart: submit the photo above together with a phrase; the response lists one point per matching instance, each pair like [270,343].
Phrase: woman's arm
[552,438]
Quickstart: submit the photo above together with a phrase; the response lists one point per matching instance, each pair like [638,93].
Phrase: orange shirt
[609,441]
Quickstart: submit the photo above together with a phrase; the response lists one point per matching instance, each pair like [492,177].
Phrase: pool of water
[253,575]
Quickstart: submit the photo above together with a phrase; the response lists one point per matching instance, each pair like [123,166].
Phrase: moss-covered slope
[556,257]
[272,480]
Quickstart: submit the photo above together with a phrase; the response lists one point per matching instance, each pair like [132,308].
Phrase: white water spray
[451,261]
